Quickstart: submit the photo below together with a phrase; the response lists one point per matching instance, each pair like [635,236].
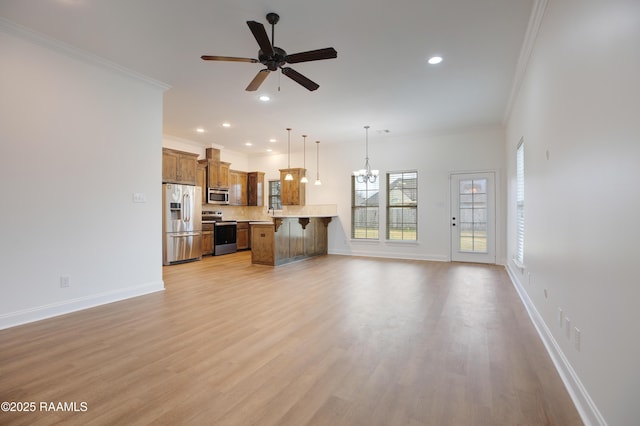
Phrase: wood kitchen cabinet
[255,189]
[263,244]
[179,167]
[218,174]
[201,179]
[217,171]
[242,236]
[292,192]
[207,238]
[237,188]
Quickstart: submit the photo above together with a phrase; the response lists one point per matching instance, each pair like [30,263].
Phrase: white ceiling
[380,77]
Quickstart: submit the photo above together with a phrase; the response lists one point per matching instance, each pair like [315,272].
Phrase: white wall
[77,139]
[434,157]
[580,103]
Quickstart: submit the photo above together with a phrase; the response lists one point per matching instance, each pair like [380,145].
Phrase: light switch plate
[139,197]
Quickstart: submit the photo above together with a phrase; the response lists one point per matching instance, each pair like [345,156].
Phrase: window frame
[412,234]
[277,198]
[371,225]
[520,204]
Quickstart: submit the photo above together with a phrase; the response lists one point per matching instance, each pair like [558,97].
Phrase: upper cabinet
[217,171]
[201,179]
[179,167]
[255,188]
[292,192]
[237,188]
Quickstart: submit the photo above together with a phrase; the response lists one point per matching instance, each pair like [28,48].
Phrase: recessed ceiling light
[269,150]
[272,140]
[248,144]
[225,124]
[200,130]
[264,98]
[435,60]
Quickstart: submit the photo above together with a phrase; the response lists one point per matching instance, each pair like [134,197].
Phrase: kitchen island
[286,239]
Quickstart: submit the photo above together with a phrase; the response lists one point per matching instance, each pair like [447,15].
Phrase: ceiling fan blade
[257,80]
[261,37]
[228,58]
[299,78]
[312,55]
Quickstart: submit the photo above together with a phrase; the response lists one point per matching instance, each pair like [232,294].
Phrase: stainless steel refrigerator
[181,223]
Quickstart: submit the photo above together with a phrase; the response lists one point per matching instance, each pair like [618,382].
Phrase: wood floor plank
[333,340]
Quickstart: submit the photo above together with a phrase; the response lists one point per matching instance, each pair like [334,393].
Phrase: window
[365,205]
[274,195]
[402,206]
[520,203]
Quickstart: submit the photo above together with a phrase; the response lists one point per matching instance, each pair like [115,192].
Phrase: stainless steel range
[224,232]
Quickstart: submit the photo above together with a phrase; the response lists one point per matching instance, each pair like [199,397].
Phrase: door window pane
[473,215]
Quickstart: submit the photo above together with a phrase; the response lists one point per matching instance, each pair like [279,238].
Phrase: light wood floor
[333,340]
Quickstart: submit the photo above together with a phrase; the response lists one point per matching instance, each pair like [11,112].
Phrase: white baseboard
[390,255]
[38,313]
[583,402]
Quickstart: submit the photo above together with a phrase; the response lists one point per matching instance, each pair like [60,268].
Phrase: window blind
[520,202]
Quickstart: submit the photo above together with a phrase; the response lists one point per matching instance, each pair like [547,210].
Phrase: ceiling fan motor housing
[278,59]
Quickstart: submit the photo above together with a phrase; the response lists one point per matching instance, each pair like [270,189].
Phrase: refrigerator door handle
[185,208]
[189,207]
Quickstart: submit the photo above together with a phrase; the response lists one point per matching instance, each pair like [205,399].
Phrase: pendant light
[318,164]
[304,160]
[366,174]
[288,176]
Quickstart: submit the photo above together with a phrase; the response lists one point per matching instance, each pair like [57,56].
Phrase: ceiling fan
[274,57]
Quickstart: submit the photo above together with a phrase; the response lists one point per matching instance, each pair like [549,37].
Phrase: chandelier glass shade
[366,174]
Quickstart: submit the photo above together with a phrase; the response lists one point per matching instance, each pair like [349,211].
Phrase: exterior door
[473,217]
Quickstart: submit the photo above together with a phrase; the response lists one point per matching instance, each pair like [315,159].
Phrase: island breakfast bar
[287,239]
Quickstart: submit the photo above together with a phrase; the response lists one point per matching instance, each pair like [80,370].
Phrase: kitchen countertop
[284,216]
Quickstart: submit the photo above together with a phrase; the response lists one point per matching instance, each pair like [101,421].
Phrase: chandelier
[366,174]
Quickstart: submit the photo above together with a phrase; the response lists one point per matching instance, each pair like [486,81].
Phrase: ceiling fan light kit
[273,57]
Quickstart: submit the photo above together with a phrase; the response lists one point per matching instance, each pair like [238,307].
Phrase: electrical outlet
[64,281]
[567,327]
[560,317]
[576,338]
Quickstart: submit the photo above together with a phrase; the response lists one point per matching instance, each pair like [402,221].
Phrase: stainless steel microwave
[218,196]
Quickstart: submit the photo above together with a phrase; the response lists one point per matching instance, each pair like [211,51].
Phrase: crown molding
[74,52]
[533,28]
